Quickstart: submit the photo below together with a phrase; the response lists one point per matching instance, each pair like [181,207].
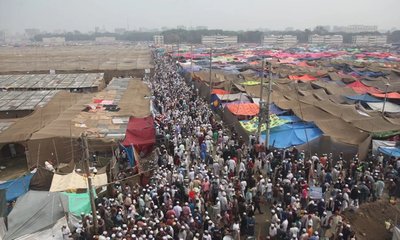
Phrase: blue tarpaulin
[363,98]
[129,154]
[16,187]
[288,135]
[273,109]
[390,151]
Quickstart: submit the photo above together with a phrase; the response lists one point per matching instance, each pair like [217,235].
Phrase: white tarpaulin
[389,107]
[233,97]
[377,143]
[396,233]
[75,181]
[53,233]
[3,228]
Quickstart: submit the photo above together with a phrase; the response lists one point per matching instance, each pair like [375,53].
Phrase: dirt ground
[369,220]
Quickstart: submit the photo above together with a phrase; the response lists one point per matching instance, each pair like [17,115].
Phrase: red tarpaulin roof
[219,91]
[140,132]
[361,88]
[305,77]
[245,109]
[392,95]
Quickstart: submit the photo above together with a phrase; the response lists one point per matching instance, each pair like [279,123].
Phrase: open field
[69,58]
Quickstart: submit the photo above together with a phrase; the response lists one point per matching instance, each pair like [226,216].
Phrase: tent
[361,88]
[244,109]
[73,181]
[141,134]
[288,135]
[389,107]
[252,125]
[392,95]
[33,212]
[41,180]
[390,151]
[53,233]
[78,203]
[305,77]
[16,187]
[363,98]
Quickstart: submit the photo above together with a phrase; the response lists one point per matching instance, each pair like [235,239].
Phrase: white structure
[54,40]
[158,39]
[219,39]
[105,39]
[355,28]
[369,40]
[325,39]
[288,40]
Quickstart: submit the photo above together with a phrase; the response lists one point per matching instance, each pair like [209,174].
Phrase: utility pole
[261,102]
[89,180]
[268,103]
[211,83]
[384,102]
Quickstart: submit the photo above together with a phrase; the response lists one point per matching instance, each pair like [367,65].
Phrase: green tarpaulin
[252,125]
[78,203]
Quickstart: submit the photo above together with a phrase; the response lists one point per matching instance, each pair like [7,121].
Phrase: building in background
[355,28]
[105,39]
[219,40]
[287,40]
[369,40]
[325,39]
[54,40]
[158,39]
[2,36]
[120,30]
[31,32]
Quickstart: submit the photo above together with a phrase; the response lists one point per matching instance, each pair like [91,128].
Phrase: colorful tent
[305,77]
[219,91]
[288,135]
[16,187]
[361,88]
[141,134]
[390,151]
[78,203]
[244,109]
[363,98]
[392,95]
[252,125]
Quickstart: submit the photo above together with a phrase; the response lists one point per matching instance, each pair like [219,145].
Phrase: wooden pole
[89,180]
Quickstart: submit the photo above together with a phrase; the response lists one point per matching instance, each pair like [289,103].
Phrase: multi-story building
[325,39]
[105,39]
[287,40]
[54,40]
[119,30]
[369,40]
[355,28]
[158,39]
[219,40]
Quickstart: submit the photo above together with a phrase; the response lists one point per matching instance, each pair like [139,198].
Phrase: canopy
[389,107]
[390,151]
[74,181]
[392,95]
[219,91]
[363,98]
[16,187]
[295,134]
[33,212]
[252,125]
[244,109]
[53,233]
[141,134]
[273,109]
[361,88]
[305,77]
[78,203]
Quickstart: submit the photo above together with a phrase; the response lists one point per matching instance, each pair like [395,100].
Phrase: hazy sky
[84,15]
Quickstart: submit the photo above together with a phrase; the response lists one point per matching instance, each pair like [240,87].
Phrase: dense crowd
[209,183]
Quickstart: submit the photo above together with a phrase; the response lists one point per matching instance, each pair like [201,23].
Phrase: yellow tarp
[252,125]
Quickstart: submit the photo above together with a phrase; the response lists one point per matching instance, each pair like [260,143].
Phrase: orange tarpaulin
[392,95]
[219,91]
[305,77]
[244,109]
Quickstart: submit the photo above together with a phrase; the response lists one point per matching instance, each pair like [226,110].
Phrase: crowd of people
[210,183]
